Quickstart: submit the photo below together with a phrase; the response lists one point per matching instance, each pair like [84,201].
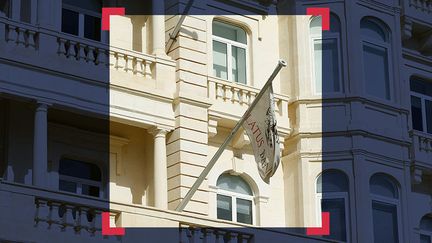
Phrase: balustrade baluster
[219,91]
[31,41]
[148,73]
[139,69]
[236,94]
[90,54]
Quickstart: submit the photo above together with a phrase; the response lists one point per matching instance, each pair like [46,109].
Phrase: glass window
[332,192]
[385,206]
[326,49]
[82,18]
[234,199]
[376,67]
[421,104]
[5,8]
[229,52]
[426,229]
[80,177]
[25,11]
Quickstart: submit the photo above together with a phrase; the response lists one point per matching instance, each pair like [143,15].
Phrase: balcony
[421,10]
[67,54]
[47,215]
[230,100]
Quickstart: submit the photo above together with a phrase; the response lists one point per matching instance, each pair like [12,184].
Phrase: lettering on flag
[261,127]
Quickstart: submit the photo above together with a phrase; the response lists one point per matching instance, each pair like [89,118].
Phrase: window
[421,104]
[229,52]
[5,8]
[234,199]
[385,208]
[376,56]
[80,177]
[82,18]
[326,55]
[425,229]
[332,193]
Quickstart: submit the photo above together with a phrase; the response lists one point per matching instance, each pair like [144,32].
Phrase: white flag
[260,126]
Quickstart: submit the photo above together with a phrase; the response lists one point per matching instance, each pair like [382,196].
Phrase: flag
[260,125]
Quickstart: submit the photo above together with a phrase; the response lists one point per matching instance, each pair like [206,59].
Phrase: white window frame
[423,99]
[81,16]
[234,197]
[374,43]
[315,38]
[230,44]
[334,195]
[390,201]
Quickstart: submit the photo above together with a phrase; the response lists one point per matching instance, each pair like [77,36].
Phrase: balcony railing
[232,98]
[44,213]
[419,10]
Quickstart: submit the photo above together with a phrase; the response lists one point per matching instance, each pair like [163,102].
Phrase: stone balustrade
[193,233]
[21,34]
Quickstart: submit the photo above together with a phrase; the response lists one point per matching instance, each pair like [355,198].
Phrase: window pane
[426,223]
[376,71]
[79,169]
[70,22]
[92,27]
[239,65]
[224,207]
[234,184]
[244,211]
[425,239]
[428,107]
[336,208]
[67,186]
[220,63]
[373,30]
[332,181]
[383,185]
[25,11]
[90,190]
[416,113]
[5,8]
[385,222]
[326,65]
[230,32]
[92,5]
[421,86]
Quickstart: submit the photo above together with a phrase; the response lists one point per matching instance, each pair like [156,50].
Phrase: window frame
[329,36]
[423,99]
[387,45]
[389,201]
[234,197]
[80,181]
[81,21]
[421,232]
[229,44]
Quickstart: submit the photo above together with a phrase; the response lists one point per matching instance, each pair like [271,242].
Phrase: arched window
[384,192]
[421,104]
[82,18]
[376,58]
[80,177]
[229,52]
[426,229]
[332,192]
[234,199]
[327,55]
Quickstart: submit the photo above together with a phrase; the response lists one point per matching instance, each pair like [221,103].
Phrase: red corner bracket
[325,14]
[107,12]
[325,226]
[106,228]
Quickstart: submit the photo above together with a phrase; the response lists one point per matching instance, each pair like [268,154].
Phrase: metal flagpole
[173,35]
[218,153]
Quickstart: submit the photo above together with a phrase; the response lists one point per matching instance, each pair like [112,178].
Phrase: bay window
[376,56]
[385,208]
[332,194]
[327,56]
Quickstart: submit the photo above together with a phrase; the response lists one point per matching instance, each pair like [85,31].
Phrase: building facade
[94,121]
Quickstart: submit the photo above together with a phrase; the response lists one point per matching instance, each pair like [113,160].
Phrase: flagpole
[218,153]
[173,35]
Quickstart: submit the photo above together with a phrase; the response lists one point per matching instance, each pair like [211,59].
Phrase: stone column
[40,145]
[158,28]
[160,178]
